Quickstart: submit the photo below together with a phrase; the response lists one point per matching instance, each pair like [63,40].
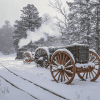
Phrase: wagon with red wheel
[67,61]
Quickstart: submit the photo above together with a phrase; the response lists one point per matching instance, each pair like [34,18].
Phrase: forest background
[80,23]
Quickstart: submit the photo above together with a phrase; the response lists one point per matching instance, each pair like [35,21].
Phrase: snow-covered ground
[77,90]
[8,92]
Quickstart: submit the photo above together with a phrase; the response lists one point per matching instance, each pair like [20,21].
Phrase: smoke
[48,28]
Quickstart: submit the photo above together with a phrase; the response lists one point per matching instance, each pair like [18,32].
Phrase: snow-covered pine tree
[84,21]
[79,19]
[29,20]
[97,24]
[6,40]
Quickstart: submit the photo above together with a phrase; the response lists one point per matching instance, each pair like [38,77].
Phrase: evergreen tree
[6,40]
[97,24]
[79,18]
[29,21]
[83,21]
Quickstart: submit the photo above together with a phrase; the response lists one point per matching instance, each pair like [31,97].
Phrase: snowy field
[77,90]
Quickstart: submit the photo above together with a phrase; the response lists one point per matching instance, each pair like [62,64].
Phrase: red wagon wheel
[94,74]
[41,58]
[62,67]
[27,58]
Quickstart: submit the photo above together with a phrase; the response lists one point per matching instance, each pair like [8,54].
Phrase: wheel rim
[44,62]
[94,74]
[62,67]
[27,58]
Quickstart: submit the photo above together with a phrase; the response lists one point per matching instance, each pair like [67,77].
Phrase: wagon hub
[61,67]
[27,59]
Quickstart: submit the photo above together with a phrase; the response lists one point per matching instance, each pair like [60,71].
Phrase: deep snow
[77,90]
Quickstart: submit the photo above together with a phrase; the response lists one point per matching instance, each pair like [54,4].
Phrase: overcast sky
[10,9]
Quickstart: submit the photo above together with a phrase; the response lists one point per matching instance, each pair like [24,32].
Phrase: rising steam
[48,28]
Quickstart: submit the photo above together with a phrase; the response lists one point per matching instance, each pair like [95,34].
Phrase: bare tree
[62,22]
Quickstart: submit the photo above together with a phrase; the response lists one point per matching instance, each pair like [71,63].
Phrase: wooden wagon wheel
[41,58]
[94,74]
[62,67]
[27,58]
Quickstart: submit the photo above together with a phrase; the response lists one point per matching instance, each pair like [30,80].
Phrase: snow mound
[77,44]
[85,65]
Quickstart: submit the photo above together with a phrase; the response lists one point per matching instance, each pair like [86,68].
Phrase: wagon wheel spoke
[96,69]
[94,59]
[86,75]
[27,58]
[55,70]
[69,67]
[41,53]
[66,76]
[65,73]
[94,73]
[55,63]
[59,76]
[89,75]
[66,58]
[83,74]
[60,60]
[63,76]
[63,59]
[96,64]
[68,73]
[90,57]
[54,67]
[67,62]
[36,57]
[56,59]
[57,73]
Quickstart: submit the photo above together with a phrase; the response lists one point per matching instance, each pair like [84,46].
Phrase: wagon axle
[85,67]
[89,69]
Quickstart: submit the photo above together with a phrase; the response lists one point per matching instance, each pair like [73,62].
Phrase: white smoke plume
[48,28]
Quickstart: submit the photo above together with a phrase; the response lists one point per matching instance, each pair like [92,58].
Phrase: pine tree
[29,21]
[79,18]
[97,25]
[6,40]
[83,21]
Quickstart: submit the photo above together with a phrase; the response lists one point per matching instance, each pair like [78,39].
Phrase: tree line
[6,38]
[81,24]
